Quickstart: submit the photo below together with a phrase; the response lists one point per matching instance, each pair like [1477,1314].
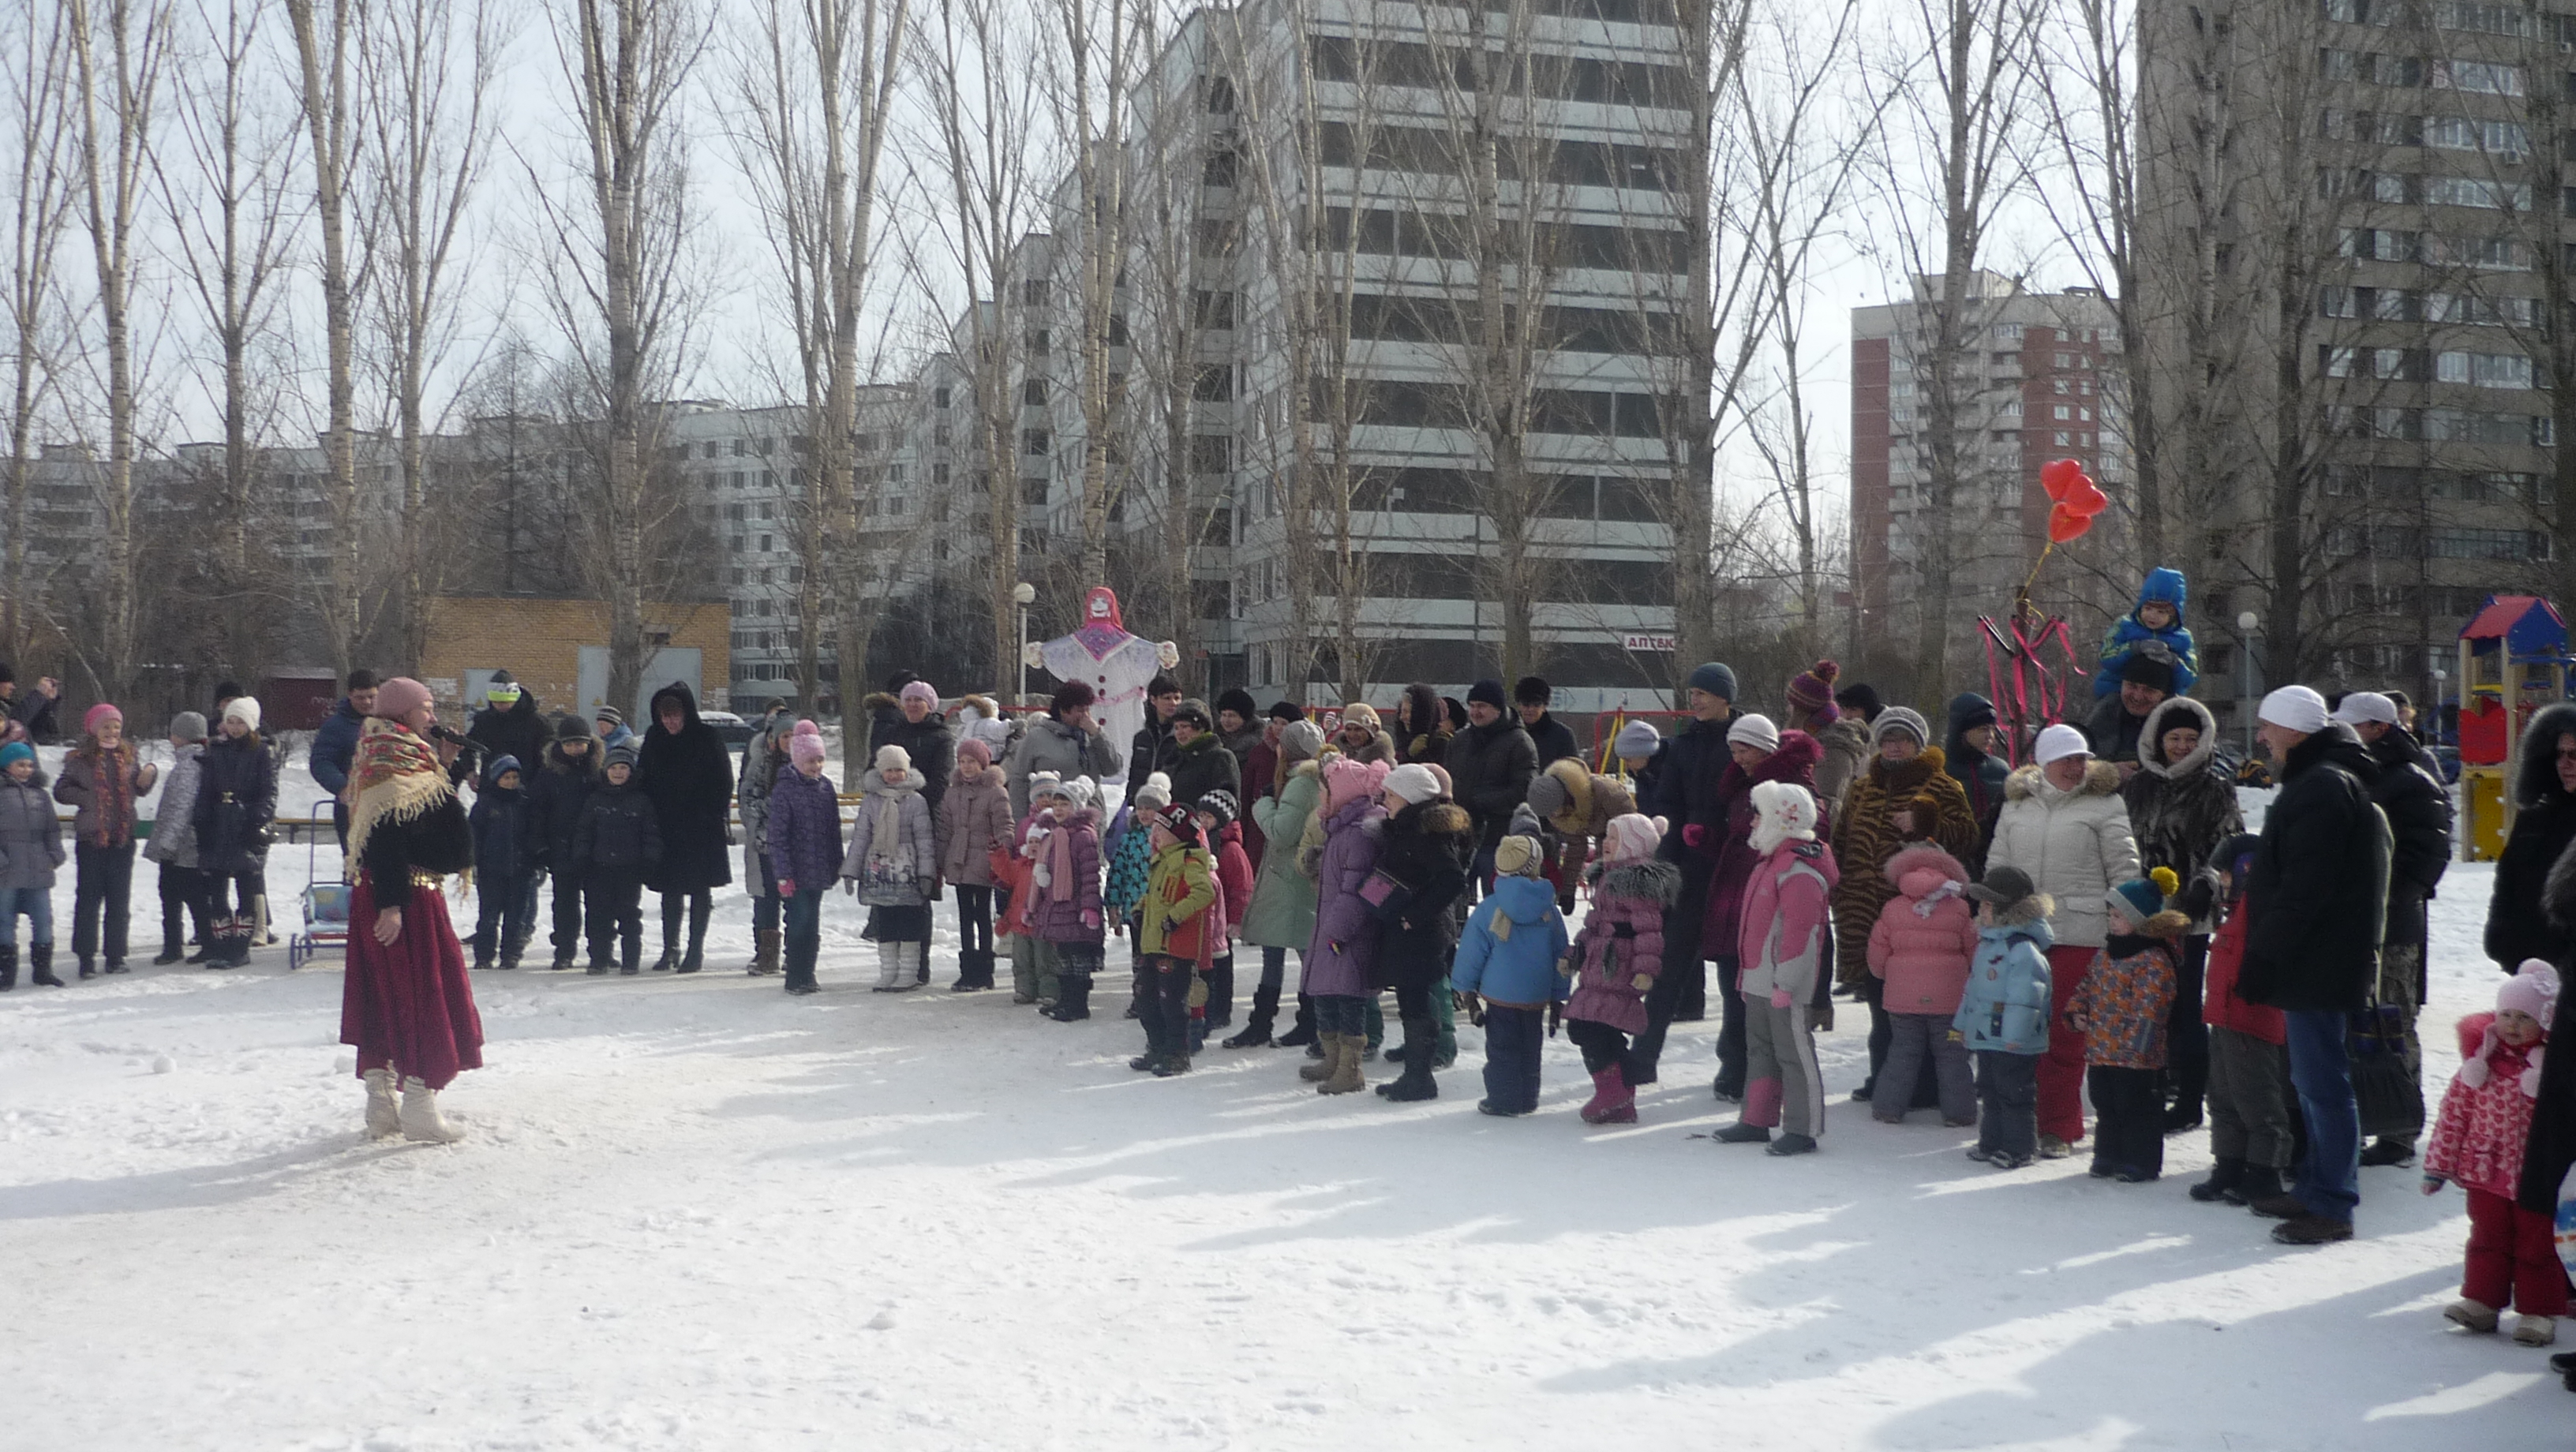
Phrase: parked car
[734,731]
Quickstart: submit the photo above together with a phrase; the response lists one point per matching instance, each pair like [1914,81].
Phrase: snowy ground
[698,1213]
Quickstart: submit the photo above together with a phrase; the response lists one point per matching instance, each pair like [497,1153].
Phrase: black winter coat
[1979,775]
[618,831]
[1428,847]
[1685,793]
[2418,808]
[236,802]
[1150,750]
[2552,1145]
[521,731]
[1199,768]
[931,745]
[689,779]
[2113,731]
[2319,885]
[2179,811]
[1489,774]
[556,794]
[1552,739]
[2544,825]
[505,833]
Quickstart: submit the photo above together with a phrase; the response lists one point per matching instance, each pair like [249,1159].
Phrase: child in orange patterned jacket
[2121,1010]
[2478,1140]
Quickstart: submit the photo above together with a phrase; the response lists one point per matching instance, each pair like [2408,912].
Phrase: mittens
[1091,919]
[1694,836]
[787,887]
[2433,1184]
[1642,982]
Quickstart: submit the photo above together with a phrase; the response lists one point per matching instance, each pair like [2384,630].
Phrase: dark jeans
[804,933]
[103,888]
[1341,1013]
[1220,991]
[567,914]
[974,920]
[696,902]
[616,915]
[2008,1103]
[1163,1002]
[2321,1071]
[2128,1119]
[247,889]
[1512,1040]
[183,900]
[500,917]
[2186,1035]
[1730,1029]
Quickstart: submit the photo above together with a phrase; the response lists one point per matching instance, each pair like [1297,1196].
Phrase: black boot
[2224,1176]
[1416,1081]
[8,966]
[2261,1182]
[696,957]
[88,968]
[1302,1032]
[40,966]
[1073,998]
[1256,1024]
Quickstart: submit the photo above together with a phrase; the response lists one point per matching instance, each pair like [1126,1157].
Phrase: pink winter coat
[2479,1136]
[1622,937]
[1926,936]
[1787,923]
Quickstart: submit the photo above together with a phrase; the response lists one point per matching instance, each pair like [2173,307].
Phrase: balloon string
[2033,576]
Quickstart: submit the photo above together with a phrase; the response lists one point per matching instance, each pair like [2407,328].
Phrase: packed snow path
[698,1213]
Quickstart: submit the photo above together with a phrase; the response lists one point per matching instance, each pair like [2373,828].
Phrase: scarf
[1930,900]
[885,838]
[395,778]
[113,771]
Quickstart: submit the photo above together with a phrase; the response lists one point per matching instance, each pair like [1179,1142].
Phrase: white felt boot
[420,1117]
[894,975]
[384,1119]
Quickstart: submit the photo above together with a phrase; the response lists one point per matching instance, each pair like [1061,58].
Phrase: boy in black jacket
[617,840]
[505,864]
[555,799]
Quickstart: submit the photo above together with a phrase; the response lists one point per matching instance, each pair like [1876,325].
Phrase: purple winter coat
[1061,922]
[804,830]
[1622,937]
[1352,839]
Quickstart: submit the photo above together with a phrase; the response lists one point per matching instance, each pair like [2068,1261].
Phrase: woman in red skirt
[406,1005]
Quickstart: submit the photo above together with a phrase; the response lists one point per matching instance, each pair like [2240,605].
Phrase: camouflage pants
[2400,967]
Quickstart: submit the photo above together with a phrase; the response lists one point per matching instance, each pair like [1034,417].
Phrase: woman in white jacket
[2064,823]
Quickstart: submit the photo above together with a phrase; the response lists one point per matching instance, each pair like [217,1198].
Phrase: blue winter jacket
[2006,1005]
[1513,945]
[2169,587]
[335,746]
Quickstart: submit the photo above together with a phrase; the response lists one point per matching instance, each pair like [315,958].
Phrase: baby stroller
[326,904]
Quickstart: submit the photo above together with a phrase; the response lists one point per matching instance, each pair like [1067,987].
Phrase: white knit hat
[1156,792]
[2058,742]
[2295,708]
[1755,731]
[244,709]
[891,757]
[1413,784]
[1786,809]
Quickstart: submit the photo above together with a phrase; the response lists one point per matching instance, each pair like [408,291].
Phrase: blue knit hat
[1718,680]
[2140,898]
[15,751]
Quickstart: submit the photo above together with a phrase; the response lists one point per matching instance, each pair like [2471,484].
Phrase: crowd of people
[2094,924]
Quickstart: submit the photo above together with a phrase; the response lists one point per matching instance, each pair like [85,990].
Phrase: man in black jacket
[1685,794]
[509,723]
[1490,765]
[1151,751]
[2409,791]
[2116,723]
[2318,896]
[1552,739]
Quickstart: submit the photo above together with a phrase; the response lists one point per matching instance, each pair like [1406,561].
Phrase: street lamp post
[2246,624]
[1023,595]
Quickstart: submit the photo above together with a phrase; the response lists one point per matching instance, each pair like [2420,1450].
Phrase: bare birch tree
[121,51]
[45,178]
[324,39]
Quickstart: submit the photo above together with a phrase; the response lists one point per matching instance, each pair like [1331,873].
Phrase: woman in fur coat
[1906,795]
[2182,805]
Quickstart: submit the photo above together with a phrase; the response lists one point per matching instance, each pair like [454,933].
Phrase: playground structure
[2513,661]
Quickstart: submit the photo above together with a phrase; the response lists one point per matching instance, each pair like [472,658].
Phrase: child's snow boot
[2535,1330]
[764,952]
[1316,1071]
[89,969]
[384,1117]
[1613,1102]
[2224,1176]
[1792,1144]
[2261,1182]
[420,1117]
[1073,998]
[1742,1133]
[1346,1078]
[1170,1065]
[598,967]
[40,966]
[890,969]
[2474,1315]
[1420,1047]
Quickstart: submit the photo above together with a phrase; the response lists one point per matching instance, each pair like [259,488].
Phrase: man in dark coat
[2544,826]
[1685,791]
[2318,895]
[557,791]
[1970,757]
[1198,763]
[32,709]
[1552,739]
[1151,750]
[335,746]
[687,774]
[2122,716]
[910,719]
[2410,793]
[509,724]
[1490,765]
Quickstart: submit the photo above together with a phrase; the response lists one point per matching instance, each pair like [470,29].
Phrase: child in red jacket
[2478,1140]
[2250,1132]
[1212,997]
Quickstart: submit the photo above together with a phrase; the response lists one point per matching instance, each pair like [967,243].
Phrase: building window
[939,397]
[1033,441]
[1033,391]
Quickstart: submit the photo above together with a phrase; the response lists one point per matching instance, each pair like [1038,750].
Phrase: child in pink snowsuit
[1924,942]
[1786,927]
[2478,1140]
[1617,958]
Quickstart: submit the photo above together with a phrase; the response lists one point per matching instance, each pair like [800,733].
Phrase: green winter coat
[1283,899]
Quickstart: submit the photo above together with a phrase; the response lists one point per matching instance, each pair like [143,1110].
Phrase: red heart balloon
[2065,525]
[2086,498]
[2058,476]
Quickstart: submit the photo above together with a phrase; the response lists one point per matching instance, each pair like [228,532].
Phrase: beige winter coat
[2075,846]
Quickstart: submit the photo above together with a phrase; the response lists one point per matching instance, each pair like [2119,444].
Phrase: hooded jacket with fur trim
[2179,811]
[1428,846]
[2485,1120]
[1865,836]
[2075,846]
[1926,936]
[974,818]
[1622,938]
[2544,826]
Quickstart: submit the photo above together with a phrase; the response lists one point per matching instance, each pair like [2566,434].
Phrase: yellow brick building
[558,648]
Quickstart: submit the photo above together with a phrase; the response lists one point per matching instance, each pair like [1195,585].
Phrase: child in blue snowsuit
[1510,953]
[2158,617]
[2003,1015]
